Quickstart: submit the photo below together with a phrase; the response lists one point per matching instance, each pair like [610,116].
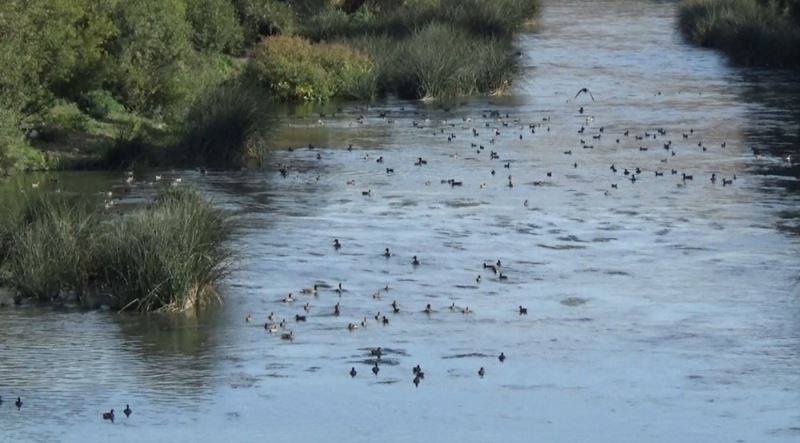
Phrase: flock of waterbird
[494,125]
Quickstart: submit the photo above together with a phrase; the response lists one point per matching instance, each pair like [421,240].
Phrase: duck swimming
[109,416]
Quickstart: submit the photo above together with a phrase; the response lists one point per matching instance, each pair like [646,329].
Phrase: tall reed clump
[224,127]
[496,18]
[440,61]
[751,32]
[49,249]
[168,256]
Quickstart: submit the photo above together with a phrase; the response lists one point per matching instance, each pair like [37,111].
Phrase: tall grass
[495,18]
[224,127]
[440,61]
[166,257]
[750,32]
[49,248]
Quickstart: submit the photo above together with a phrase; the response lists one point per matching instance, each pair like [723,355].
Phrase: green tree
[215,26]
[150,52]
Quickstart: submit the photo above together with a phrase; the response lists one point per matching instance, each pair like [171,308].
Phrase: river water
[659,310]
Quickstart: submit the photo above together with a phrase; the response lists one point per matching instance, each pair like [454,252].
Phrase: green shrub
[294,69]
[265,17]
[50,248]
[168,256]
[100,103]
[750,32]
[215,25]
[15,152]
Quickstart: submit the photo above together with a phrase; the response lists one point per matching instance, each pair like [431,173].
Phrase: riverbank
[192,83]
[752,33]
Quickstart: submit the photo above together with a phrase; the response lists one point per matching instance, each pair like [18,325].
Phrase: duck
[288,298]
[502,276]
[502,357]
[352,326]
[481,372]
[248,318]
[312,290]
[523,311]
[336,311]
[492,267]
[353,372]
[299,318]
[416,370]
[386,253]
[18,403]
[415,261]
[288,336]
[385,321]
[306,307]
[367,193]
[377,352]
[467,310]
[376,369]
[395,309]
[127,411]
[428,309]
[339,289]
[271,316]
[109,416]
[416,381]
[687,177]
[336,244]
[478,279]
[271,327]
[364,322]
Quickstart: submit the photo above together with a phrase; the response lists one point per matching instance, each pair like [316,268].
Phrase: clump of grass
[49,249]
[440,61]
[168,256]
[294,69]
[496,18]
[750,32]
[224,127]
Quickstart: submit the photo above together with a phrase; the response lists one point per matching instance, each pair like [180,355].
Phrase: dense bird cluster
[482,134]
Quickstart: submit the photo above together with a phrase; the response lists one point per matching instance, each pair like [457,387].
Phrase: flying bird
[584,91]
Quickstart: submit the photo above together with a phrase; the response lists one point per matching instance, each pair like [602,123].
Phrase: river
[661,310]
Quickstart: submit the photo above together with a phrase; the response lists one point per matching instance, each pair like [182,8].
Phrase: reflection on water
[659,310]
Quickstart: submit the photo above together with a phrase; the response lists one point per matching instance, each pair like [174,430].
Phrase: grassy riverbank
[168,255]
[105,84]
[750,32]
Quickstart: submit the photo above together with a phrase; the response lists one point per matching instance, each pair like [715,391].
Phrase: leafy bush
[294,69]
[265,17]
[100,103]
[15,153]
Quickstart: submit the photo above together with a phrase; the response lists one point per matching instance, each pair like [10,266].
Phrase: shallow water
[656,312]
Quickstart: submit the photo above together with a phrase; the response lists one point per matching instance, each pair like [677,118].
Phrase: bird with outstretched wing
[584,91]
